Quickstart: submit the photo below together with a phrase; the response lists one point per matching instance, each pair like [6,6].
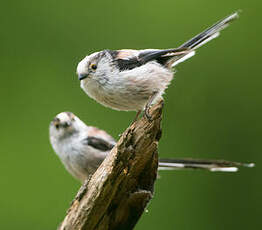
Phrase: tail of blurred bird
[210,165]
[204,37]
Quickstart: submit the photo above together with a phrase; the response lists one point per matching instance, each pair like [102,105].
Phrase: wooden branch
[118,192]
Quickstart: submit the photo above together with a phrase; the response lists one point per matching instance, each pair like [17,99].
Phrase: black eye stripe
[63,124]
[66,124]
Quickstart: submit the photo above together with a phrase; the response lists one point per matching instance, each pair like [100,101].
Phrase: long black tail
[210,165]
[204,37]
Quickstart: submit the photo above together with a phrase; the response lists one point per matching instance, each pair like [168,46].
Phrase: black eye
[93,66]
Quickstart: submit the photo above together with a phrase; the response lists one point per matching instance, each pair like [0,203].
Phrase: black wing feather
[146,56]
[124,64]
[98,143]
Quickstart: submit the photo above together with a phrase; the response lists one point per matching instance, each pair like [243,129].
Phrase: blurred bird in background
[83,148]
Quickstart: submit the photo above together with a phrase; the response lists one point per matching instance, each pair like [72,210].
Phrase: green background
[212,108]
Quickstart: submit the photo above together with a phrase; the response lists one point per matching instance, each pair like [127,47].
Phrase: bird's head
[64,125]
[96,66]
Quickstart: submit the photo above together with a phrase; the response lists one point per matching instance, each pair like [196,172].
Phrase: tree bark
[117,193]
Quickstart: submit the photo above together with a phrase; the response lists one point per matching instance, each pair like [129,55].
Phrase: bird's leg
[136,117]
[148,104]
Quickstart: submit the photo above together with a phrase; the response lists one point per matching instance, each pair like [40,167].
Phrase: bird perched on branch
[131,80]
[82,149]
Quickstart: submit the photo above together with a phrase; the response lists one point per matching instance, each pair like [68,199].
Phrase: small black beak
[82,76]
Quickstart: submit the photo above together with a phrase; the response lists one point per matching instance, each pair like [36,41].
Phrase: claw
[147,114]
[147,107]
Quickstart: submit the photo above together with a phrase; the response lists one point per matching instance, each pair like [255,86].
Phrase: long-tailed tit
[82,149]
[132,80]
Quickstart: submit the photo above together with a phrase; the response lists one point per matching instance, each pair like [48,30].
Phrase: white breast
[130,89]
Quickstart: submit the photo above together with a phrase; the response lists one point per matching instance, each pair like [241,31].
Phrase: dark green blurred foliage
[212,108]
